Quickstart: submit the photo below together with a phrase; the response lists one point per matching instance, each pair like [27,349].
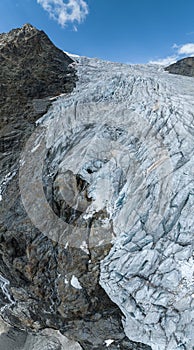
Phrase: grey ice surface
[129,132]
[13,340]
[49,339]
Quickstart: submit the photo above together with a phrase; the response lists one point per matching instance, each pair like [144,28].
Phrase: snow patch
[71,54]
[66,281]
[5,181]
[108,342]
[84,247]
[75,282]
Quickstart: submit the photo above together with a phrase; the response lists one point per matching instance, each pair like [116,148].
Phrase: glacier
[127,132]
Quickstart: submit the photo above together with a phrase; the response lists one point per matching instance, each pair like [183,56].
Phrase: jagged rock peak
[28,26]
[14,34]
[182,67]
[28,56]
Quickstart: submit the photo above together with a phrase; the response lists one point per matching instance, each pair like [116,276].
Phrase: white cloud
[165,61]
[175,46]
[180,51]
[65,11]
[186,49]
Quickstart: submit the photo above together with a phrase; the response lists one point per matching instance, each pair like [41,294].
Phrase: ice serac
[105,194]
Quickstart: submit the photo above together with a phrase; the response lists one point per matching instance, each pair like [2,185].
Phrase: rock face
[32,71]
[182,67]
[44,283]
[103,193]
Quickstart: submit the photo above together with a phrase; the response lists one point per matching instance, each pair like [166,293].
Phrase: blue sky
[131,31]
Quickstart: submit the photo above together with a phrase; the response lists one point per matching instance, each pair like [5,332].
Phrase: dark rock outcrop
[32,71]
[38,283]
[182,67]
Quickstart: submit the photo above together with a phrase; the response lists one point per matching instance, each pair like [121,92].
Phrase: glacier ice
[127,131]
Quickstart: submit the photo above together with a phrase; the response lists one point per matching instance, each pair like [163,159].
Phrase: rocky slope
[182,67]
[32,71]
[103,193]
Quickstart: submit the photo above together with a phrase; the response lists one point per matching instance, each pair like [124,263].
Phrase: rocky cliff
[32,71]
[96,219]
[182,67]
